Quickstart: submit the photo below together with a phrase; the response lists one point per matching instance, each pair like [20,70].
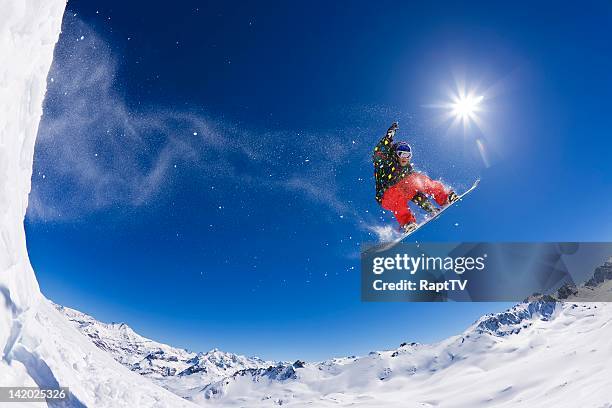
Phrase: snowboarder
[397,182]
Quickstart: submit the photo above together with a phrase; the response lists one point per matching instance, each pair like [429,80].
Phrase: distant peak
[519,317]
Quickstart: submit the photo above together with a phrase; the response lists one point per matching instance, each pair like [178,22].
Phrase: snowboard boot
[408,228]
[421,200]
[452,197]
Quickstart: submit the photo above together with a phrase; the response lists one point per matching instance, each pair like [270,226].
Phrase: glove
[392,129]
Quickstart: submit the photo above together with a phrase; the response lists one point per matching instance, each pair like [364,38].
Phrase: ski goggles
[403,154]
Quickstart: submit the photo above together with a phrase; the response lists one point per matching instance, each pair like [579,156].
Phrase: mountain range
[545,351]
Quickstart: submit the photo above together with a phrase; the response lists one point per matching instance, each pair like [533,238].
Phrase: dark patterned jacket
[387,170]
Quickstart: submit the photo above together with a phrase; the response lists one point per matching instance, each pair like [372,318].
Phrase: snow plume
[91,141]
[385,233]
[97,151]
[320,193]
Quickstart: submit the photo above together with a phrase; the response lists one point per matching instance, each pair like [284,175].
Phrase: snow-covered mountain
[140,354]
[537,354]
[176,369]
[541,352]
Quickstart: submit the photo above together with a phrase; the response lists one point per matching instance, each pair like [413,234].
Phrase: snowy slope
[540,353]
[28,32]
[175,369]
[38,345]
[599,287]
[128,348]
[537,354]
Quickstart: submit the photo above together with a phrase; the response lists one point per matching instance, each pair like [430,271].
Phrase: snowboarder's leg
[422,201]
[396,201]
[435,189]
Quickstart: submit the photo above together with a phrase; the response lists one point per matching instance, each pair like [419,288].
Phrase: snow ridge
[492,353]
[38,346]
[520,357]
[518,317]
[126,346]
[602,274]
[175,369]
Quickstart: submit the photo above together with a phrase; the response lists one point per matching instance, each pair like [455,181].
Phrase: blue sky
[203,171]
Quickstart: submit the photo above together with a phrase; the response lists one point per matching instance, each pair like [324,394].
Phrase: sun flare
[465,107]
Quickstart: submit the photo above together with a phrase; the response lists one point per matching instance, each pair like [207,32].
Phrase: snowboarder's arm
[384,145]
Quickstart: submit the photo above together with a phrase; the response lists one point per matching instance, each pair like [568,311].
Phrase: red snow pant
[397,196]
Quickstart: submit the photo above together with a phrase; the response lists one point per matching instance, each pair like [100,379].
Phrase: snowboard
[388,245]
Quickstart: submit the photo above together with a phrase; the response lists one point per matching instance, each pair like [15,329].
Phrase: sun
[465,107]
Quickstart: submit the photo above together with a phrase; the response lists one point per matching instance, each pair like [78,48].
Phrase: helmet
[403,150]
